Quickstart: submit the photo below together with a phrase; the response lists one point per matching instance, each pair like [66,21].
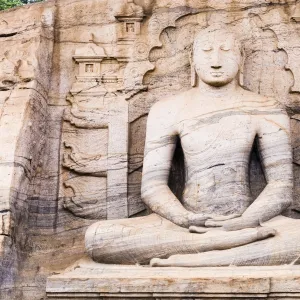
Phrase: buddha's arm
[275,150]
[159,150]
[276,157]
[161,139]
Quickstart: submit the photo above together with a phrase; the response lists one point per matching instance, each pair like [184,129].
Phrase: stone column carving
[95,132]
[95,138]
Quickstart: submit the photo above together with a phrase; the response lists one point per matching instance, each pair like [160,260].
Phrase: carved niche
[130,17]
[288,40]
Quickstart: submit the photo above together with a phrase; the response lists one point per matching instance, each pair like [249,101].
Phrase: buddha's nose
[216,64]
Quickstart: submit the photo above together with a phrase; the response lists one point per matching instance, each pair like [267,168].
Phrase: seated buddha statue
[217,222]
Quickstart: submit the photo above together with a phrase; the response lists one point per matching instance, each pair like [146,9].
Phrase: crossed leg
[138,240]
[282,249]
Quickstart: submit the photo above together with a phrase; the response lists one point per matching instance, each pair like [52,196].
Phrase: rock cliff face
[77,80]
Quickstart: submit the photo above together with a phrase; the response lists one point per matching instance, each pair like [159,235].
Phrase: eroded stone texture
[145,58]
[127,282]
[26,60]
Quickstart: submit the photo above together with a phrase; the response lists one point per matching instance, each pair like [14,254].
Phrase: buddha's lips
[217,74]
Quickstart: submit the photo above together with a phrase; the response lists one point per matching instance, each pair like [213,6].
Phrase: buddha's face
[217,58]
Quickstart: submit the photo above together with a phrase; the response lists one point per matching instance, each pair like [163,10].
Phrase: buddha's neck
[226,91]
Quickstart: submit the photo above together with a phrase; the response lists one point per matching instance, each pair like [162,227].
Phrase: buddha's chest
[220,135]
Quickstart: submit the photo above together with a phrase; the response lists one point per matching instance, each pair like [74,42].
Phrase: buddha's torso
[217,144]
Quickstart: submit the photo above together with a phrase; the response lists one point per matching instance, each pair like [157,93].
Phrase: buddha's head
[217,56]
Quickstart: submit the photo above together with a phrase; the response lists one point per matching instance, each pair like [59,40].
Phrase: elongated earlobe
[193,70]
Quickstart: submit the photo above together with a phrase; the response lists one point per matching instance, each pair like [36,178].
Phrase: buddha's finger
[240,223]
[225,218]
[213,223]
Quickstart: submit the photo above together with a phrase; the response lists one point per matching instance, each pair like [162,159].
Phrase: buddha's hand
[233,224]
[198,219]
[197,222]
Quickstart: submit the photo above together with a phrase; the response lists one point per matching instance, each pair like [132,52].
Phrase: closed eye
[207,49]
[225,48]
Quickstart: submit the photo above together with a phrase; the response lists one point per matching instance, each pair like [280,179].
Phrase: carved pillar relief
[95,138]
[95,132]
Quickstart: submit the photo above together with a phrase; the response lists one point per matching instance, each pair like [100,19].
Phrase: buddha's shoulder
[262,104]
[169,106]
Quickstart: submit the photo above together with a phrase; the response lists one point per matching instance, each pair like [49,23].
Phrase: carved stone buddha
[218,223]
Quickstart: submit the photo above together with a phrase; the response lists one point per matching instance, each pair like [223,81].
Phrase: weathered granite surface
[50,189]
[89,280]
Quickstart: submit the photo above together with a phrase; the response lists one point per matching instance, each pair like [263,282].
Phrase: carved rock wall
[77,81]
[25,63]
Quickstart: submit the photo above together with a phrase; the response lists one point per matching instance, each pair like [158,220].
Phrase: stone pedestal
[89,280]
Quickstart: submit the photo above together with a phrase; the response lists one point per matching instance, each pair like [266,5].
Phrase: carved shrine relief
[131,27]
[95,131]
[144,43]
[95,138]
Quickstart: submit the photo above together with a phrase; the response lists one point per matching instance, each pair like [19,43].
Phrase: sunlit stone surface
[208,178]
